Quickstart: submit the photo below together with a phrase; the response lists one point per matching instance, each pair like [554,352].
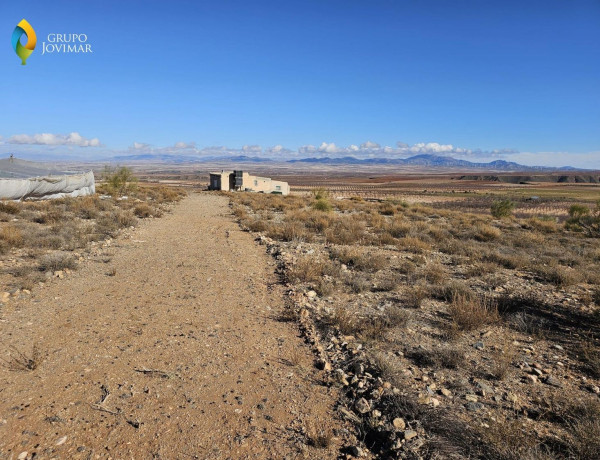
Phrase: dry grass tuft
[486,233]
[415,295]
[468,313]
[589,354]
[57,261]
[12,236]
[413,244]
[19,361]
[559,275]
[502,362]
[9,207]
[360,259]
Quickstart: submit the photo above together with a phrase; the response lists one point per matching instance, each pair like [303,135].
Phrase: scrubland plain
[456,333]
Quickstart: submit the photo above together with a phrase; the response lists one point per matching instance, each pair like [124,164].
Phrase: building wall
[220,181]
[225,179]
[265,185]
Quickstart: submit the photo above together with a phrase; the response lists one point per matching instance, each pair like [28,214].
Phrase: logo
[24,28]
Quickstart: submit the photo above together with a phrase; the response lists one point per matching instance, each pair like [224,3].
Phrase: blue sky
[476,79]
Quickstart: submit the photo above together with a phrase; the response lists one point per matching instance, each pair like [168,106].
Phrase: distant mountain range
[437,161]
[426,160]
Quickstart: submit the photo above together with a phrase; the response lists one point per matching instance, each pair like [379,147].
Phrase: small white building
[243,181]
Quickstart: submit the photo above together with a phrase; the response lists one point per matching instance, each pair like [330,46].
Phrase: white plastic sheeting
[48,187]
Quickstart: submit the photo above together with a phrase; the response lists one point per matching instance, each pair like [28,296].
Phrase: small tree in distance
[120,180]
[502,208]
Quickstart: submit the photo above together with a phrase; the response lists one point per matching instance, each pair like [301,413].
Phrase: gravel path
[177,355]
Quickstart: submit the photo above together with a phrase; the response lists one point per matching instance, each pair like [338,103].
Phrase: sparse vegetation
[477,305]
[41,236]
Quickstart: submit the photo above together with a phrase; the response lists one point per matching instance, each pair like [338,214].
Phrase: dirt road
[163,346]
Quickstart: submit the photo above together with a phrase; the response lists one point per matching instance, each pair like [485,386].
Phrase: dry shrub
[143,210]
[447,357]
[434,272]
[51,216]
[586,439]
[543,225]
[452,290]
[309,269]
[511,261]
[502,362]
[344,320]
[12,236]
[346,230]
[87,207]
[9,207]
[19,361]
[313,220]
[389,283]
[398,228]
[412,244]
[360,259]
[468,313]
[480,268]
[57,261]
[358,282]
[255,224]
[387,209]
[385,366]
[510,440]
[240,212]
[559,275]
[289,231]
[415,295]
[589,354]
[483,232]
[439,234]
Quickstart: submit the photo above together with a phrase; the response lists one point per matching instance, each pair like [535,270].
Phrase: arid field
[452,332]
[443,318]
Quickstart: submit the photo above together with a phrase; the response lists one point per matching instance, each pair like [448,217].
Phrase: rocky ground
[167,341]
[441,346]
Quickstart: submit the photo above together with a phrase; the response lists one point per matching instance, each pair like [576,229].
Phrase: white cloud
[54,139]
[369,145]
[307,149]
[252,149]
[184,145]
[278,150]
[329,148]
[139,146]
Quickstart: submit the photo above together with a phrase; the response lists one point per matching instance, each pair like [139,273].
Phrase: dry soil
[163,345]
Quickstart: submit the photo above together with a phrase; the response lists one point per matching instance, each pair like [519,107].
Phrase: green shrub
[584,219]
[120,181]
[320,194]
[502,208]
[322,205]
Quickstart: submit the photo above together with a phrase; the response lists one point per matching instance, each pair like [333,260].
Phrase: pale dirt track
[194,297]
